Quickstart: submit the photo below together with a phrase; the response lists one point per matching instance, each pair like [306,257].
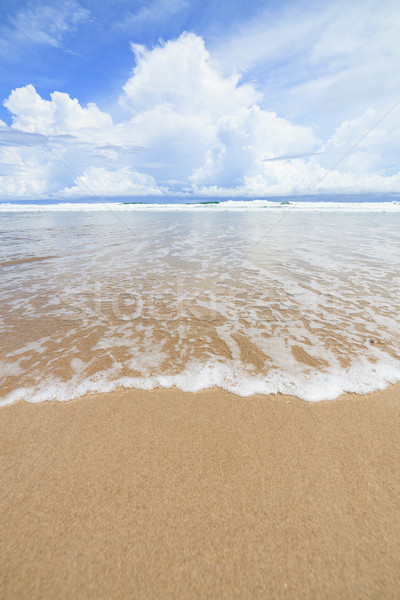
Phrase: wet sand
[17,261]
[164,494]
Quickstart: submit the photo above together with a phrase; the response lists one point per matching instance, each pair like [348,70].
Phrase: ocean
[258,296]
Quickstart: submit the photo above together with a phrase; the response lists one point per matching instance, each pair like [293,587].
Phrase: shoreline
[162,493]
[308,391]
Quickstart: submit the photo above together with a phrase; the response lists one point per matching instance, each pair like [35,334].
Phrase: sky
[127,98]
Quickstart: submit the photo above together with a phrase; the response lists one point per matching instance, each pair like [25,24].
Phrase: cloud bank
[187,128]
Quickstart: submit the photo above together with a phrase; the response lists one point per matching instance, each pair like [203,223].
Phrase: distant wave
[228,205]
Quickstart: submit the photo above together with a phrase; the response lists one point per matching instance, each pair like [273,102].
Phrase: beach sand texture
[163,494]
[174,492]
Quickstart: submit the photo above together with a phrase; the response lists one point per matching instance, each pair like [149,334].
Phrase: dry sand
[169,495]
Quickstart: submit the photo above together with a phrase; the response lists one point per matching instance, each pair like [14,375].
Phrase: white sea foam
[361,378]
[227,205]
[305,305]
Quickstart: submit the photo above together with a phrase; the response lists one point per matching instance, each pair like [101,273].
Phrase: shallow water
[255,301]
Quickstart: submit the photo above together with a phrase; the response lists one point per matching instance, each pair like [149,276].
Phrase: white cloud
[320,62]
[24,174]
[61,114]
[42,24]
[350,162]
[169,138]
[180,75]
[101,181]
[152,12]
[208,125]
[373,143]
[244,140]
[20,186]
[188,125]
[297,178]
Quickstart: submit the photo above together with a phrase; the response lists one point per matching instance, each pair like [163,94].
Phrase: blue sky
[87,50]
[197,97]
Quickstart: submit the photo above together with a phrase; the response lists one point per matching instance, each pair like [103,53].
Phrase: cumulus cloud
[244,141]
[169,138]
[61,114]
[296,178]
[189,129]
[180,75]
[101,181]
[24,174]
[19,186]
[211,125]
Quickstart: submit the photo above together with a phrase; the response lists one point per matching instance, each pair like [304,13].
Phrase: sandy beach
[163,494]
[199,300]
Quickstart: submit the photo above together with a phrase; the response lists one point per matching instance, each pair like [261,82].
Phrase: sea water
[253,297]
